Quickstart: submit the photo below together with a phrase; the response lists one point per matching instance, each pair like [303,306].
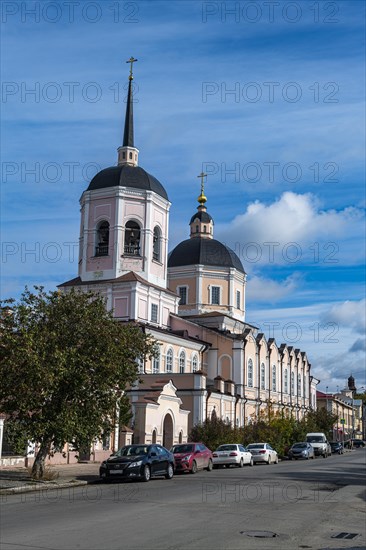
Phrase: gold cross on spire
[132,60]
[202,199]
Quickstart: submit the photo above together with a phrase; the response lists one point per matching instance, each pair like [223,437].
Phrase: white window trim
[166,362]
[182,350]
[250,360]
[157,313]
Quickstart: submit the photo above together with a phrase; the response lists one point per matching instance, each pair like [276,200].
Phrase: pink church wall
[121,306]
[100,209]
[142,309]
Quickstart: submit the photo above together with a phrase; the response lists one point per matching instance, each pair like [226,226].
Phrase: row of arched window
[301,384]
[158,363]
[132,246]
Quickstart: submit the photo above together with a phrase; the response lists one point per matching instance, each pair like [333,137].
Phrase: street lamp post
[326,397]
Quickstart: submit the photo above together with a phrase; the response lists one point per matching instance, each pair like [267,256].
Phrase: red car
[191,457]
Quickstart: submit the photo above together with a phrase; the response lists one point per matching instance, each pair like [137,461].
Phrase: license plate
[224,455]
[115,471]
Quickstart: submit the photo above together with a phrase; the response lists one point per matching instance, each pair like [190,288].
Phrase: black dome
[202,216]
[127,176]
[206,252]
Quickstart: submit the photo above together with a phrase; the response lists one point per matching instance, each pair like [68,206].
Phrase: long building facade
[210,361]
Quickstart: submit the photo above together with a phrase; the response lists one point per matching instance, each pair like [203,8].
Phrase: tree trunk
[38,468]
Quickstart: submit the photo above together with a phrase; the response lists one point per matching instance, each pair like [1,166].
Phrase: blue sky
[268,100]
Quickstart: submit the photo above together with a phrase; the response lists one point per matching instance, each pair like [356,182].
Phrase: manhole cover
[259,534]
[345,535]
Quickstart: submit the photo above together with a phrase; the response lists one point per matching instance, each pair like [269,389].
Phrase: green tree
[65,364]
[320,420]
[213,433]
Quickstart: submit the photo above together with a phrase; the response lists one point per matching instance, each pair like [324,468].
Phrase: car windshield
[256,446]
[133,450]
[299,446]
[315,439]
[182,449]
[227,448]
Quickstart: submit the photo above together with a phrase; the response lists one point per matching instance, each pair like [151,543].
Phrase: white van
[319,441]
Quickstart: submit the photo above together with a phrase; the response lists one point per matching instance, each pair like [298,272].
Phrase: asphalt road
[303,503]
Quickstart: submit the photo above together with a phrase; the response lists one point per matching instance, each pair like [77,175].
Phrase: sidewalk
[17,480]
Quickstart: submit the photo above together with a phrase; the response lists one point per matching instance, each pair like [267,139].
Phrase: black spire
[128,140]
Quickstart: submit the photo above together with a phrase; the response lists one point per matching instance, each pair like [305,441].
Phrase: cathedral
[210,363]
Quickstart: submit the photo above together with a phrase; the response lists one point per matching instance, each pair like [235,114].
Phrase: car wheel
[325,455]
[170,472]
[241,463]
[251,463]
[269,460]
[146,474]
[276,461]
[210,466]
[313,457]
[307,457]
[194,467]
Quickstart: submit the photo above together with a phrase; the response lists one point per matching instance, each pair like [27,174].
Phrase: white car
[263,452]
[231,454]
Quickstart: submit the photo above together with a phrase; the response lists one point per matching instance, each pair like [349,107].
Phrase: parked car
[358,443]
[301,450]
[336,447]
[320,443]
[263,452]
[138,462]
[232,455]
[191,457]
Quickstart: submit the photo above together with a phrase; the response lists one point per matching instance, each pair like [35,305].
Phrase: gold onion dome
[202,198]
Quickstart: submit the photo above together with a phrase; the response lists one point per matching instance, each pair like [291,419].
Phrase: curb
[44,487]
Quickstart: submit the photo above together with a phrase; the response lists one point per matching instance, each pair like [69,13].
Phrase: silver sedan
[232,454]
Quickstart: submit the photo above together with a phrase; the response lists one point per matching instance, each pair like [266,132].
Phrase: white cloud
[268,290]
[349,313]
[294,228]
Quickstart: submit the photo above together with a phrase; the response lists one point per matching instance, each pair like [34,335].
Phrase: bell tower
[125,216]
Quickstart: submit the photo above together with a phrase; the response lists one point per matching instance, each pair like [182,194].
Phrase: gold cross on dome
[132,60]
[202,176]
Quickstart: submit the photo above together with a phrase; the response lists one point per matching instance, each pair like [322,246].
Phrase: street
[302,504]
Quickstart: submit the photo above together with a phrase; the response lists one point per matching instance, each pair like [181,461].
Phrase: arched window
[169,360]
[274,379]
[263,377]
[102,240]
[213,414]
[285,382]
[197,228]
[156,361]
[180,440]
[153,437]
[182,362]
[157,244]
[132,239]
[250,373]
[204,229]
[299,384]
[305,392]
[292,383]
[194,363]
